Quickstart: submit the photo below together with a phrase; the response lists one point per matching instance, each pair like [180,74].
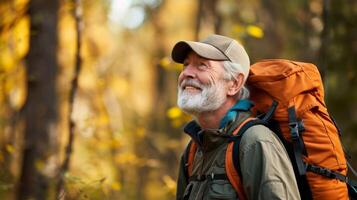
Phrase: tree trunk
[207,13]
[199,16]
[213,12]
[60,188]
[40,111]
[324,43]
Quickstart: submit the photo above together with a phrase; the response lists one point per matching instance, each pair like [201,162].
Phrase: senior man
[211,87]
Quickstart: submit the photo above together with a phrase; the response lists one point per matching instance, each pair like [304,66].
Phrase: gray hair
[232,70]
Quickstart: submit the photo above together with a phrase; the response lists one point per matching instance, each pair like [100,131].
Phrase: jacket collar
[209,139]
[232,115]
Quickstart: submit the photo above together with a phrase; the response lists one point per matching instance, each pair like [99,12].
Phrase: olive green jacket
[266,169]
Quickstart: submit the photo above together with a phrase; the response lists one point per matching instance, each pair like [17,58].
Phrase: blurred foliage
[128,130]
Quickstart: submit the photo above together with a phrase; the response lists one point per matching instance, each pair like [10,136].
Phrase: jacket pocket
[220,189]
[195,190]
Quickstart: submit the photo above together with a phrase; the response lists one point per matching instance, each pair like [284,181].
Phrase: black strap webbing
[326,172]
[351,169]
[269,114]
[298,144]
[351,184]
[352,191]
[208,177]
[330,174]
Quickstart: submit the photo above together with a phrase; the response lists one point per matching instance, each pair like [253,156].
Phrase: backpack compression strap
[296,128]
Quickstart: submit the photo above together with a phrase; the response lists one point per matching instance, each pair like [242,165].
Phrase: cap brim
[182,48]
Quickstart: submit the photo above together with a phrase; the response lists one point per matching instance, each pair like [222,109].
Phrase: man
[211,87]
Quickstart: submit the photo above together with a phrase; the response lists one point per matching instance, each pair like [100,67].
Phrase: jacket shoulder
[259,134]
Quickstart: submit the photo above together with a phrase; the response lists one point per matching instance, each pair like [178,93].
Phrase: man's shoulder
[258,134]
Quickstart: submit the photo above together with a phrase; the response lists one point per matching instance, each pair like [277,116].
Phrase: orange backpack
[289,99]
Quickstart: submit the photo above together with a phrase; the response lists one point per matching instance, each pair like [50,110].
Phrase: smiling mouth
[191,88]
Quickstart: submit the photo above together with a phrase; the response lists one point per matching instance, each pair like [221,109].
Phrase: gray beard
[209,99]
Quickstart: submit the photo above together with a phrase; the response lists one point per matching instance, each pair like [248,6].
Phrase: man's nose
[189,71]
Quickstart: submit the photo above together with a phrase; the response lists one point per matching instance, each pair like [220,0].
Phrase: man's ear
[235,85]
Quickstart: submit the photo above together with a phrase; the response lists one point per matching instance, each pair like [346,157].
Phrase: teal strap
[241,105]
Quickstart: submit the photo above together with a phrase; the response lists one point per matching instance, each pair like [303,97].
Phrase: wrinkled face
[201,85]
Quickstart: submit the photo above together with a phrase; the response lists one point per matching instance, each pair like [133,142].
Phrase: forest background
[88,88]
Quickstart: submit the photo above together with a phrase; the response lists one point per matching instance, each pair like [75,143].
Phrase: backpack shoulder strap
[189,156]
[233,174]
[232,154]
[236,143]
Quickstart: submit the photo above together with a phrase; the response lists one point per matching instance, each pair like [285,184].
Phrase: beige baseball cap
[215,47]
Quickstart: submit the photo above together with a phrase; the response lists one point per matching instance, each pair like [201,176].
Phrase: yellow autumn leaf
[120,86]
[103,119]
[127,158]
[116,186]
[7,61]
[177,66]
[17,97]
[115,143]
[10,148]
[170,184]
[19,3]
[174,112]
[40,165]
[165,63]
[255,31]
[87,80]
[22,33]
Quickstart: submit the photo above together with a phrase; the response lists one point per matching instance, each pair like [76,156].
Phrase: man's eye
[202,66]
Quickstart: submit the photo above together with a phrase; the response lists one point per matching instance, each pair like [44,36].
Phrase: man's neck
[212,119]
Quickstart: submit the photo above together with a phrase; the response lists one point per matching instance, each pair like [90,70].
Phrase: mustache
[192,83]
